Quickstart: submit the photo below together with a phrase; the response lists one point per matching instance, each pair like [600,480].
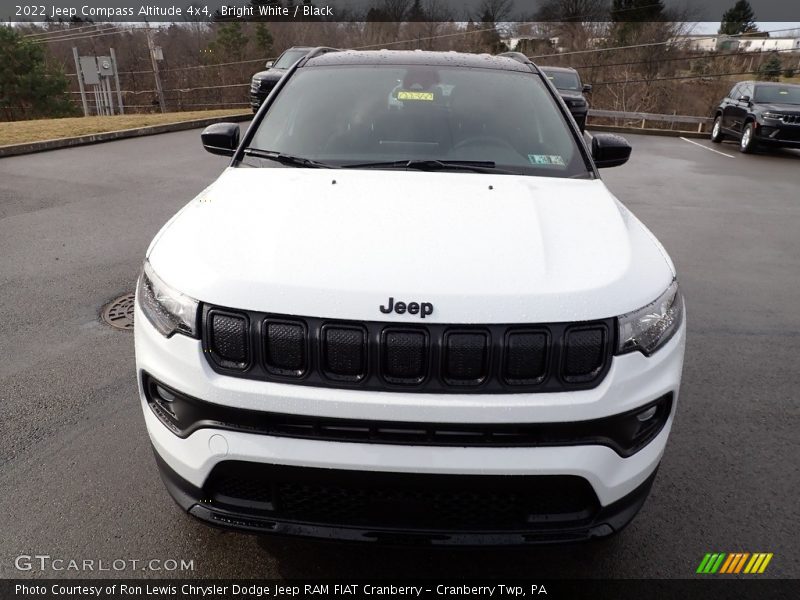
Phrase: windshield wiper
[287,159]
[476,166]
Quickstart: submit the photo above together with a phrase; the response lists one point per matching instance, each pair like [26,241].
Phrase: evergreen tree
[740,18]
[29,88]
[263,39]
[230,41]
[770,69]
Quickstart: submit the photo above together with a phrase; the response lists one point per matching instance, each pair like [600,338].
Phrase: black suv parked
[264,81]
[569,86]
[758,113]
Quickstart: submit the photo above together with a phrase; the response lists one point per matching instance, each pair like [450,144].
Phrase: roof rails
[319,50]
[517,56]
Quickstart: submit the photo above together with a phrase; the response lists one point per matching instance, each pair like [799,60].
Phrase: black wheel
[716,131]
[748,142]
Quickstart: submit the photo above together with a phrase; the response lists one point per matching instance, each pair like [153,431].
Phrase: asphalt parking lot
[78,475]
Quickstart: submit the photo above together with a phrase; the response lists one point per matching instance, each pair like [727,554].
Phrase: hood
[790,109]
[480,248]
[270,74]
[571,94]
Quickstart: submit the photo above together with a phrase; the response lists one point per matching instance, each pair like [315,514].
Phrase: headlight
[652,326]
[772,115]
[167,309]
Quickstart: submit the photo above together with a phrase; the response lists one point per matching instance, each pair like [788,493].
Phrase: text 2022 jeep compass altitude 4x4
[410,310]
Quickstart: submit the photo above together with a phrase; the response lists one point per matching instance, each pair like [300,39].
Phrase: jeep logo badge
[423,309]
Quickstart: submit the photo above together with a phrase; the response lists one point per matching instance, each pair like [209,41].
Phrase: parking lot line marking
[707,148]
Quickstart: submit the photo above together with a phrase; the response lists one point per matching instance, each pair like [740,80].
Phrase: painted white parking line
[707,148]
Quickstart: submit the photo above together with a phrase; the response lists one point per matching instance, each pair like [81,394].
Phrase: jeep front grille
[432,358]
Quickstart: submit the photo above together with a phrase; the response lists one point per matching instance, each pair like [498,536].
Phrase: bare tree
[496,10]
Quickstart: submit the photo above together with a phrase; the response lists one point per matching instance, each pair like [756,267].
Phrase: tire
[716,131]
[748,142]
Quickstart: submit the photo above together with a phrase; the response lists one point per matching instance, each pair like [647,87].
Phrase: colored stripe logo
[734,563]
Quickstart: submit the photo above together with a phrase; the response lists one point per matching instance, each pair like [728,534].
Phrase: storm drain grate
[119,313]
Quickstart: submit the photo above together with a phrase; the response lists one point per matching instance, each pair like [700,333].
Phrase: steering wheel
[486,140]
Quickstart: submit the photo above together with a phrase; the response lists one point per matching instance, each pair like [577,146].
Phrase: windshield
[288,58]
[777,94]
[439,117]
[564,80]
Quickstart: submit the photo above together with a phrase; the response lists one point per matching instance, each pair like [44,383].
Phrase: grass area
[20,132]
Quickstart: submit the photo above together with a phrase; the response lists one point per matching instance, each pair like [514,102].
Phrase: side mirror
[587,88]
[609,150]
[269,64]
[221,138]
[744,99]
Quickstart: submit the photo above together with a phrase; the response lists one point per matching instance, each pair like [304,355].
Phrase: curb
[640,131]
[110,136]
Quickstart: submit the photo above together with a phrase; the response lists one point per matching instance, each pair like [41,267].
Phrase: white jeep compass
[410,310]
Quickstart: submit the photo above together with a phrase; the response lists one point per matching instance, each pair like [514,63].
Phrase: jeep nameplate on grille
[423,309]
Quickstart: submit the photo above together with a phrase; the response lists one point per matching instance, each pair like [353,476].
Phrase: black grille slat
[414,357]
[466,355]
[285,348]
[584,353]
[526,357]
[229,340]
[344,353]
[404,356]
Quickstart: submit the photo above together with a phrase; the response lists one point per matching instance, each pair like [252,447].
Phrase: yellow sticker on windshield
[408,95]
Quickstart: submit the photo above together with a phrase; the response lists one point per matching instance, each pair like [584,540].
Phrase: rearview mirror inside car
[609,150]
[221,138]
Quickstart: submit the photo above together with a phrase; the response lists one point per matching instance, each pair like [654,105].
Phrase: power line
[116,31]
[665,43]
[63,31]
[657,79]
[743,54]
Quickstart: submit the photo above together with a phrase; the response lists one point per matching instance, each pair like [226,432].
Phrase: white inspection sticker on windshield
[546,159]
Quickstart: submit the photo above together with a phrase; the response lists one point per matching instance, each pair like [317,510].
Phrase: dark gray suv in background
[759,113]
[569,86]
[263,81]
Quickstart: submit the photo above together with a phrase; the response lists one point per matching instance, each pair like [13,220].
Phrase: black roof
[418,57]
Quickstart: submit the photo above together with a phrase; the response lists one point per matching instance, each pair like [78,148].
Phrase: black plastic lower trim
[624,433]
[602,522]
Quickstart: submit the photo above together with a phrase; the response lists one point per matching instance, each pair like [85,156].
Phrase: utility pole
[80,81]
[152,48]
[116,79]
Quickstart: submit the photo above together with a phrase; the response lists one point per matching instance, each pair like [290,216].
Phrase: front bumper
[775,134]
[617,484]
[341,516]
